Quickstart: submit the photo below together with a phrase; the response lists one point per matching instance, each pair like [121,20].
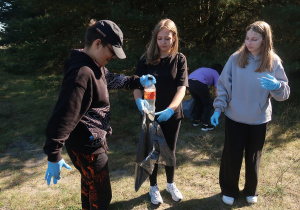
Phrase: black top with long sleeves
[83,107]
[170,73]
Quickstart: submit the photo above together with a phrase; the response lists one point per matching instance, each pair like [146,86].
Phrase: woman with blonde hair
[169,67]
[251,77]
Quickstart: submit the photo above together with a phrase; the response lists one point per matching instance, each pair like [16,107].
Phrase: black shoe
[207,127]
[195,123]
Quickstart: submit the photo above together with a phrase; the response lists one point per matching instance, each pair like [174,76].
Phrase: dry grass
[23,164]
[23,186]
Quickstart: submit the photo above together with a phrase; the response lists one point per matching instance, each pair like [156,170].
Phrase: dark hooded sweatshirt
[83,109]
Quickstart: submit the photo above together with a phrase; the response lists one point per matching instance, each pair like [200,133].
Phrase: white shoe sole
[227,201]
[206,129]
[251,200]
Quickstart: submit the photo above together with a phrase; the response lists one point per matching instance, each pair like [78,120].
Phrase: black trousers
[241,137]
[170,130]
[200,92]
[96,190]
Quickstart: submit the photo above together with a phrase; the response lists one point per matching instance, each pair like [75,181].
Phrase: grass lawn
[26,103]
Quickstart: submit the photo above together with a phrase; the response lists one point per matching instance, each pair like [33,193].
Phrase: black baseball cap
[112,34]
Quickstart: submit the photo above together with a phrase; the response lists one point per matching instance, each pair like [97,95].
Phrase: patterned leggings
[95,183]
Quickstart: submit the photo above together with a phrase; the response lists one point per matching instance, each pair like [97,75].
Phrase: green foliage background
[38,37]
[39,34]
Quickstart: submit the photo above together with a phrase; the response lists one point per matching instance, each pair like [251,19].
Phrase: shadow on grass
[194,146]
[20,155]
[212,202]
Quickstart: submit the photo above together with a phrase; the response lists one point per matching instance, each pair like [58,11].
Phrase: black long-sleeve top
[170,73]
[83,107]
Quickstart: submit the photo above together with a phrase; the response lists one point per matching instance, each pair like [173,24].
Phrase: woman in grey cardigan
[251,77]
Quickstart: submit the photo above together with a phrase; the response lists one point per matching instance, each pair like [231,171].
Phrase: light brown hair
[267,52]
[152,53]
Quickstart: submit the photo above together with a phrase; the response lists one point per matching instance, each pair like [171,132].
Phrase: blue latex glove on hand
[164,115]
[141,104]
[270,83]
[54,169]
[215,119]
[144,80]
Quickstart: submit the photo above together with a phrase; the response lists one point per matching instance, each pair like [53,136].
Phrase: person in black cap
[80,119]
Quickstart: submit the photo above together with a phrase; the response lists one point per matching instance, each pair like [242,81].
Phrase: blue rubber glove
[54,169]
[141,104]
[270,83]
[144,80]
[164,115]
[215,119]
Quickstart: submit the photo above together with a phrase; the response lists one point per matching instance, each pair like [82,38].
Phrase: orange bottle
[150,96]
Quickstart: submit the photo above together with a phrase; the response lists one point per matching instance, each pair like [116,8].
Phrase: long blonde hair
[152,53]
[267,52]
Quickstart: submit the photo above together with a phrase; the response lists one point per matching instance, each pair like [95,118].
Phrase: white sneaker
[228,200]
[155,195]
[251,199]
[176,194]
